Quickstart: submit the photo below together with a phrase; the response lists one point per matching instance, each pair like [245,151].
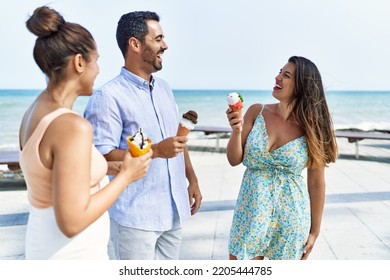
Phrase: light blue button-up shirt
[117,110]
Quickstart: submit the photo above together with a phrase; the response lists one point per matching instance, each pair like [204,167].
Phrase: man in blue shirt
[147,219]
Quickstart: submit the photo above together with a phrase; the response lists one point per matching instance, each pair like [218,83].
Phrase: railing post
[357,149]
[217,147]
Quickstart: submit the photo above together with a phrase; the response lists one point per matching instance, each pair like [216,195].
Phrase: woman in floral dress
[277,215]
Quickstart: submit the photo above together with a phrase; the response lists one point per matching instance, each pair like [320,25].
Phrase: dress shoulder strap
[262,108]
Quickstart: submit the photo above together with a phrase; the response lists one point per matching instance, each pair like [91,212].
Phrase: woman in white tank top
[61,166]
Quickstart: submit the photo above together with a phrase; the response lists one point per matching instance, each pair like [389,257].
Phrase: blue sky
[222,44]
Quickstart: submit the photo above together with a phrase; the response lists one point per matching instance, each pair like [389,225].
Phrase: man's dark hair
[133,25]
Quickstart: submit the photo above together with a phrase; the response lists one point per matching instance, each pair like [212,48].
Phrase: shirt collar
[137,81]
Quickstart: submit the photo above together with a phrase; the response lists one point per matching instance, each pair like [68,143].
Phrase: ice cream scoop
[187,123]
[235,101]
[139,144]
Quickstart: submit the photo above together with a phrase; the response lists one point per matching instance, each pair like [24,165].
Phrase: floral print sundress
[272,213]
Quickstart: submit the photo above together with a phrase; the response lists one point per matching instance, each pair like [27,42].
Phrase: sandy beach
[355,223]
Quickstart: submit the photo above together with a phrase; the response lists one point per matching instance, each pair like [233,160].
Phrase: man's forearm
[190,173]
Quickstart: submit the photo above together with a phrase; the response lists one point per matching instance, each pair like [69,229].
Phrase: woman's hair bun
[44,22]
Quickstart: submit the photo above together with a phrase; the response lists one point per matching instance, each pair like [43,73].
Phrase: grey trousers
[135,244]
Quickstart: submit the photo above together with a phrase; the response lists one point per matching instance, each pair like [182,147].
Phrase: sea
[363,110]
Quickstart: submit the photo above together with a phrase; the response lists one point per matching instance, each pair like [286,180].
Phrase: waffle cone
[182,131]
[135,150]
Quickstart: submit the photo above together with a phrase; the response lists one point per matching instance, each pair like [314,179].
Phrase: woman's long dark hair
[311,112]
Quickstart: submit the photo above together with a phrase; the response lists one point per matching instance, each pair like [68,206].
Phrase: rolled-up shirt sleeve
[104,115]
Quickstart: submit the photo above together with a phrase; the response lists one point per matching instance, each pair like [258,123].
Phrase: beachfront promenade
[356,224]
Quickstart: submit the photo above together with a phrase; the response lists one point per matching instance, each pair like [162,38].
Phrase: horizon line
[229,89]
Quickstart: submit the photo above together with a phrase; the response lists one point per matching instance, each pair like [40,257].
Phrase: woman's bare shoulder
[252,112]
[254,108]
[71,124]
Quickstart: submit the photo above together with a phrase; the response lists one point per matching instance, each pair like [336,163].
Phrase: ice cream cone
[187,123]
[239,110]
[235,103]
[182,131]
[134,148]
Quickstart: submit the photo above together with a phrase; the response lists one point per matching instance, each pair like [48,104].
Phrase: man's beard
[150,58]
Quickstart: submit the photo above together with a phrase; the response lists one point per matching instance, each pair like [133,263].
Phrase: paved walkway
[356,224]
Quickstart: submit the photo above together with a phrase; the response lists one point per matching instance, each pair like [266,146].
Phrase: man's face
[153,48]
